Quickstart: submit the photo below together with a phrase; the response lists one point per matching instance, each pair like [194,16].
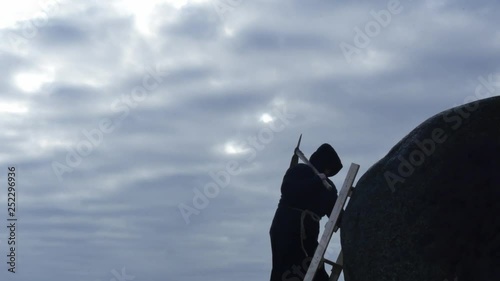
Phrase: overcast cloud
[117,114]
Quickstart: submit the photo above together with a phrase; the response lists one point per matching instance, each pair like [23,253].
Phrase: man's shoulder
[300,168]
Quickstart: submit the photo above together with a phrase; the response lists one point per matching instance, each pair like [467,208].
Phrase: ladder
[330,228]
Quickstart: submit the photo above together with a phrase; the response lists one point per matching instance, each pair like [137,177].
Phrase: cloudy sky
[150,137]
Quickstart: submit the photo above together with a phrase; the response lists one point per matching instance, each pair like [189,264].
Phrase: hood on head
[326,157]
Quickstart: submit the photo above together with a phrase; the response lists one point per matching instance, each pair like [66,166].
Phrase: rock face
[430,209]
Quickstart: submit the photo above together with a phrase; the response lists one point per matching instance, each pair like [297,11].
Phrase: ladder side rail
[330,226]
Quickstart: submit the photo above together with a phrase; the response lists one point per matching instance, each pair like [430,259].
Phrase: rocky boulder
[430,209]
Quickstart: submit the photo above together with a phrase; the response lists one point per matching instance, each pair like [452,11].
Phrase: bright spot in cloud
[231,148]
[376,60]
[228,31]
[6,107]
[266,118]
[51,143]
[31,82]
[11,12]
[143,10]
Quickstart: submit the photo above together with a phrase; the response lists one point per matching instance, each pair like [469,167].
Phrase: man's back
[302,189]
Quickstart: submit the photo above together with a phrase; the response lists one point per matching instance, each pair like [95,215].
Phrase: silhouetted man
[295,227]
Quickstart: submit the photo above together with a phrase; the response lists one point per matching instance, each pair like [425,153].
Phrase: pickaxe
[295,159]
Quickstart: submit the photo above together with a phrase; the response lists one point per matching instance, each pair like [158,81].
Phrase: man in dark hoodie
[295,228]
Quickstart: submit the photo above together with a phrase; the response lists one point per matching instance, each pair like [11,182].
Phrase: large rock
[430,209]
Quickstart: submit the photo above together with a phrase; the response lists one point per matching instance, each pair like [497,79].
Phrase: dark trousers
[289,247]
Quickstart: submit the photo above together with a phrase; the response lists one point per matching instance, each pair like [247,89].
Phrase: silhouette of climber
[304,201]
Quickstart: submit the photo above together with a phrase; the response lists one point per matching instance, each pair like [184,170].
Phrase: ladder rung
[327,261]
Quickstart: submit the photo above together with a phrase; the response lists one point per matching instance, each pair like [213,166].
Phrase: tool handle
[306,161]
[327,185]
